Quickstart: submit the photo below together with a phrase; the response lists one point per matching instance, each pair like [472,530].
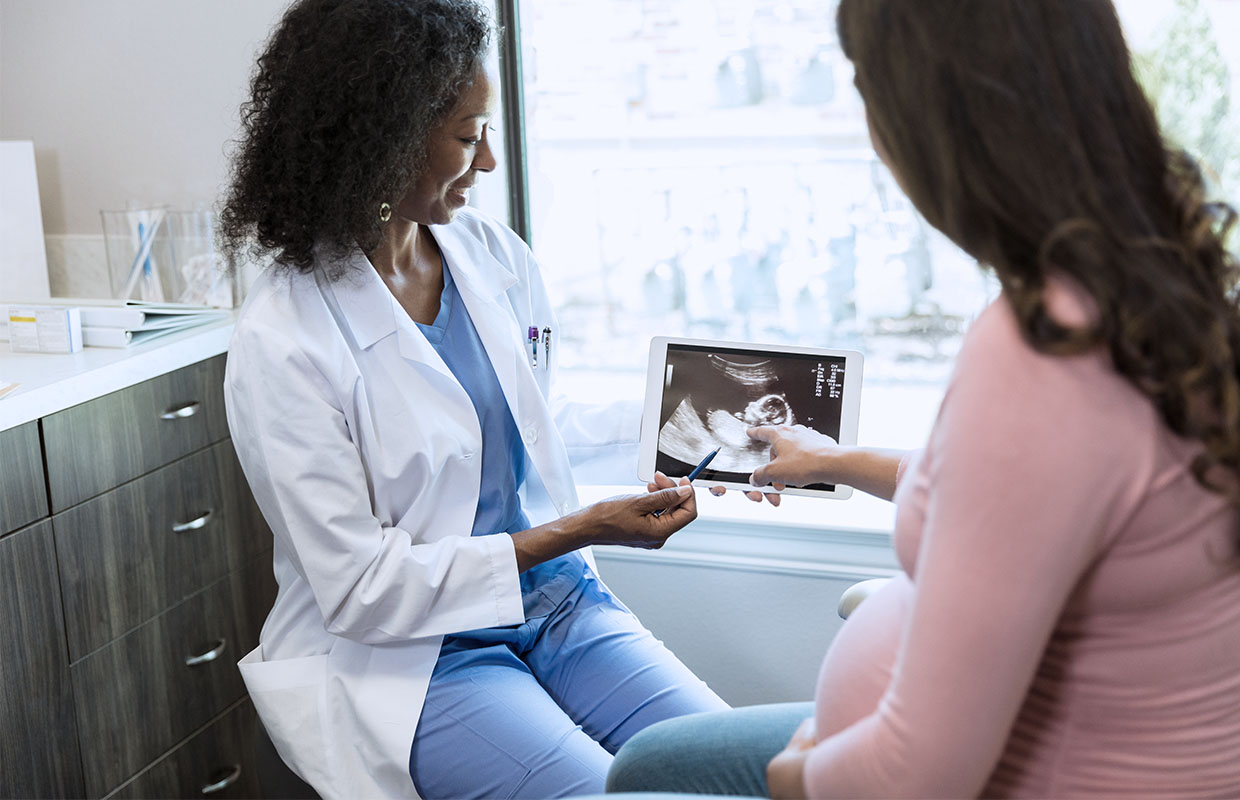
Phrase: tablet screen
[711,395]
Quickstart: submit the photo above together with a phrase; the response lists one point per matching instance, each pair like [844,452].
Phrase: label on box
[45,329]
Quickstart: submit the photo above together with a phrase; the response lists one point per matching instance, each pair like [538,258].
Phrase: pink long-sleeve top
[1067,623]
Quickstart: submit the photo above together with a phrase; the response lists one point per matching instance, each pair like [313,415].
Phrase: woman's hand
[799,456]
[630,520]
[785,774]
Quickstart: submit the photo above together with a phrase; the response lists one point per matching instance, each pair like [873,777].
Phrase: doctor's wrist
[552,540]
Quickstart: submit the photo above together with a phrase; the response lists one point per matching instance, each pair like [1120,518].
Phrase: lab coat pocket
[289,697]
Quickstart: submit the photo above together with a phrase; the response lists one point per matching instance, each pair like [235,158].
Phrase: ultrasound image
[711,396]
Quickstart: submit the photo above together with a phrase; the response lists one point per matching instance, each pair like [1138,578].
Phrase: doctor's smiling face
[457,150]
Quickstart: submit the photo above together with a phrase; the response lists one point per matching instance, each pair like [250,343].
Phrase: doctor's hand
[630,520]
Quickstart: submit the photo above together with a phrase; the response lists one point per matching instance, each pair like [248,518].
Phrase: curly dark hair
[341,102]
[1018,129]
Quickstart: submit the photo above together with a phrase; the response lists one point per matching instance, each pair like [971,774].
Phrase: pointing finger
[763,433]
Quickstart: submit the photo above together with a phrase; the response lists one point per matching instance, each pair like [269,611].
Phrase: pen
[532,335]
[696,472]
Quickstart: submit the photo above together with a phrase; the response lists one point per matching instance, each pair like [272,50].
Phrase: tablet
[702,395]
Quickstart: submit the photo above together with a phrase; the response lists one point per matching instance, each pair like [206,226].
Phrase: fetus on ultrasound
[689,434]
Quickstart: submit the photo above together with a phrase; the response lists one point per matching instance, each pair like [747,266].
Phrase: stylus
[696,472]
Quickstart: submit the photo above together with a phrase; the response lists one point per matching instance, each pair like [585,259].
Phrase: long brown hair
[1018,130]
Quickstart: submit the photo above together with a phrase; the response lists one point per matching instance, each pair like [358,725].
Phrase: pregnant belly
[858,665]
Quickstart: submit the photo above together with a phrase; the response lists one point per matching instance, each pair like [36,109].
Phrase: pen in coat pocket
[531,336]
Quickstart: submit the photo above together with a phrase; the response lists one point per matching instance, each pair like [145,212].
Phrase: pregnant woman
[1067,622]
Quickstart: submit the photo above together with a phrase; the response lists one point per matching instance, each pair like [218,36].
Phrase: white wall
[126,99]
[130,101]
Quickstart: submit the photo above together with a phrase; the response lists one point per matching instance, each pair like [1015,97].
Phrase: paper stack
[113,323]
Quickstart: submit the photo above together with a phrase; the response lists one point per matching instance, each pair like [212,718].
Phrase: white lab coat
[364,454]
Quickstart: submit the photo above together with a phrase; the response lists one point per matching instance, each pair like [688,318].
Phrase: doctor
[439,630]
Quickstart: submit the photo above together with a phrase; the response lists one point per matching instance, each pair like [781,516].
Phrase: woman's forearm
[866,469]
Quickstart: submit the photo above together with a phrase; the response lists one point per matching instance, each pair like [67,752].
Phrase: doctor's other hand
[630,521]
[662,481]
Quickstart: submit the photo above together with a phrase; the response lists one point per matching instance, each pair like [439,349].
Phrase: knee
[638,761]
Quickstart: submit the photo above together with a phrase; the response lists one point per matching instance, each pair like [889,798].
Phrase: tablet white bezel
[850,409]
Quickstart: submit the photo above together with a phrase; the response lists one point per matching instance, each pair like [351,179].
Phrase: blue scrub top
[455,339]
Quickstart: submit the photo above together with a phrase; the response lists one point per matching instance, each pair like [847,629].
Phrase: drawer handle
[181,411]
[210,655]
[194,524]
[219,784]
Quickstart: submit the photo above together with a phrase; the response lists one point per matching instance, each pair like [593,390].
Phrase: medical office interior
[691,168]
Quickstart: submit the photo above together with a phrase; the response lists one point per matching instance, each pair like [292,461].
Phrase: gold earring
[385,212]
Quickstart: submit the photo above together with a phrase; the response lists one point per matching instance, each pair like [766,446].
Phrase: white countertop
[48,383]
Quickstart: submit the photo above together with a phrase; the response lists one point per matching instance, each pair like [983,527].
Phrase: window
[702,168]
[1191,71]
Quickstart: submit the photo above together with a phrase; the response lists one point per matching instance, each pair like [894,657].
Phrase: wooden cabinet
[23,495]
[145,577]
[215,762]
[38,736]
[181,672]
[94,446]
[132,552]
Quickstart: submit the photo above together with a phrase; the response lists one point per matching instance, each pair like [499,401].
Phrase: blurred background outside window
[702,168]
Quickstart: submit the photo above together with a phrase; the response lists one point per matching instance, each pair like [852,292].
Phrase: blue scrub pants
[538,709]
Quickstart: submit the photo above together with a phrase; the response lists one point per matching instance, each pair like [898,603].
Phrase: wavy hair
[341,102]
[1018,129]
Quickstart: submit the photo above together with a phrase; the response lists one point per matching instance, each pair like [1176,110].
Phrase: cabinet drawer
[144,693]
[218,761]
[23,494]
[102,443]
[38,737]
[132,552]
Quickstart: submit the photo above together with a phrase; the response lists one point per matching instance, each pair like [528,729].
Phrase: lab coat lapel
[483,280]
[370,313]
